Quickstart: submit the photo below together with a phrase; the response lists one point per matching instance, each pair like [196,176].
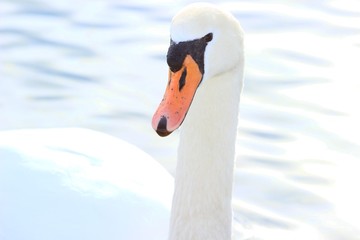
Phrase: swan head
[205,42]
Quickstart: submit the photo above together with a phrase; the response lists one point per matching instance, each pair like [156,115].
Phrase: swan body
[72,184]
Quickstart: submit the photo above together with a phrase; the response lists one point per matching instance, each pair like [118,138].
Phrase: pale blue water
[101,65]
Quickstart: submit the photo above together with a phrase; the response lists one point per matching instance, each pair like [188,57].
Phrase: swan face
[205,42]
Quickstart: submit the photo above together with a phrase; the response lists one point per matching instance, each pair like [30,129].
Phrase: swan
[70,183]
[206,61]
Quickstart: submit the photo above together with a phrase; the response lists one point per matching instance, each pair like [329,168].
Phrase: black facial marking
[176,56]
[208,37]
[195,48]
[182,79]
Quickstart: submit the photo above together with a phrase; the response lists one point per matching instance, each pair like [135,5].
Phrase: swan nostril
[161,128]
[182,79]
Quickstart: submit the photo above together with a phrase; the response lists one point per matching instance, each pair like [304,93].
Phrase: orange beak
[178,96]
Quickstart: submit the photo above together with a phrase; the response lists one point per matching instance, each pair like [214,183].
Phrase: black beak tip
[161,128]
[162,133]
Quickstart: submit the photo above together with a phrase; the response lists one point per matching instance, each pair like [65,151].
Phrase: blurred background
[102,65]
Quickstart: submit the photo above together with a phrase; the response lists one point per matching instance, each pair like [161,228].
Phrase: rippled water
[101,65]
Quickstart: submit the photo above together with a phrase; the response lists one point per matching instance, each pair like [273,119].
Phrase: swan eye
[208,37]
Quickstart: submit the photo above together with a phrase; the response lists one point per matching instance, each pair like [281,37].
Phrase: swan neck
[204,175]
